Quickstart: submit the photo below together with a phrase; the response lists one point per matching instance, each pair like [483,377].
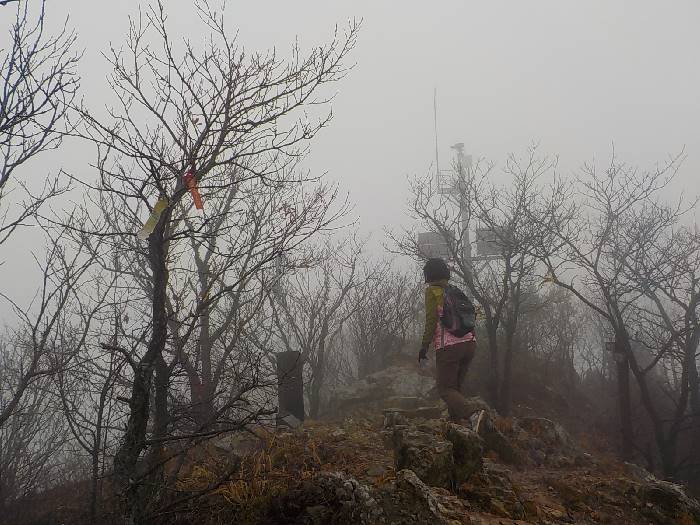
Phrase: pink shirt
[443,338]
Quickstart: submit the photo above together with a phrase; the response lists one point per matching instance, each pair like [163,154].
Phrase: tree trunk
[95,488]
[666,443]
[623,397]
[494,368]
[134,440]
[315,398]
[95,470]
[694,386]
[205,410]
[160,426]
[202,406]
[504,406]
[667,451]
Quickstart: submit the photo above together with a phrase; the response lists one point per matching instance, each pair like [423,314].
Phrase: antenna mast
[437,161]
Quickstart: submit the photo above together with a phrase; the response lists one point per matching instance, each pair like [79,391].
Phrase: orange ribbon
[191,184]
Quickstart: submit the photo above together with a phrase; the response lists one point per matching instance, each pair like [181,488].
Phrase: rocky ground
[386,454]
[395,459]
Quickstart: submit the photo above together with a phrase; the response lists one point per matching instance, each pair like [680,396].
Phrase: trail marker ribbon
[191,184]
[152,221]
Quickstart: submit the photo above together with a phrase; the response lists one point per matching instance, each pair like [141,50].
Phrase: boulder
[552,434]
[290,421]
[638,473]
[666,503]
[332,498]
[409,501]
[426,454]
[495,440]
[467,451]
[548,443]
[494,490]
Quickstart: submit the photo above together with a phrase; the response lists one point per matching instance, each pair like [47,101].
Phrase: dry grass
[288,458]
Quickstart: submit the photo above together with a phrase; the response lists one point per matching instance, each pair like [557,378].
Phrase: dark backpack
[458,313]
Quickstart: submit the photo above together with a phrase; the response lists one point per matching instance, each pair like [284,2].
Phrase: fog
[577,81]
[577,78]
[574,77]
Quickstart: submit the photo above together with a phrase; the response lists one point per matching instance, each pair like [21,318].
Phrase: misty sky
[572,75]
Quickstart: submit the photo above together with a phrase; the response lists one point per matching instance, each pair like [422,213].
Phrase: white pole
[437,159]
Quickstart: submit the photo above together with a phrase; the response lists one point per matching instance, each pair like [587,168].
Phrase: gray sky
[572,75]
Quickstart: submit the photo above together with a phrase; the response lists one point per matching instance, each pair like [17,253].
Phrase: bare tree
[188,121]
[606,250]
[553,334]
[265,223]
[33,352]
[89,392]
[665,263]
[310,311]
[38,353]
[38,83]
[384,320]
[498,284]
[31,436]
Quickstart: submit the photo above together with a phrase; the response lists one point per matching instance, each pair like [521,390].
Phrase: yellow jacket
[434,297]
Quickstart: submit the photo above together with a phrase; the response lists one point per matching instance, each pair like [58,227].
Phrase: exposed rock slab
[329,498]
[666,503]
[467,451]
[428,456]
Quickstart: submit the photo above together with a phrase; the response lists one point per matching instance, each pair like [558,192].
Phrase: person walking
[454,346]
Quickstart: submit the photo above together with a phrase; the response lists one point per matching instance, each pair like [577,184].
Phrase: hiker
[453,353]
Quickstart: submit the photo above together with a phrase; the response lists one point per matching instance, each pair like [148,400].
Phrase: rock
[331,498]
[666,503]
[499,508]
[431,426]
[467,451]
[318,514]
[548,443]
[569,494]
[551,433]
[402,415]
[494,440]
[404,386]
[639,473]
[409,501]
[290,421]
[494,490]
[428,456]
[418,503]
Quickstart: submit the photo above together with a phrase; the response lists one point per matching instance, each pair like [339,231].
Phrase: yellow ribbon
[152,221]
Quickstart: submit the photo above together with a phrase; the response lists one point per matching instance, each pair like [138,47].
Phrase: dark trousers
[452,365]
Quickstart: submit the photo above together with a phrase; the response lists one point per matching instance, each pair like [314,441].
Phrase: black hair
[435,269]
